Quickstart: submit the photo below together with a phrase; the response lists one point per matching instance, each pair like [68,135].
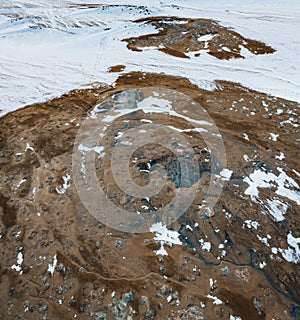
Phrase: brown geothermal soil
[102,273]
[180,36]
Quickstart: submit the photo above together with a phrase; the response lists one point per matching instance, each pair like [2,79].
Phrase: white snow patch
[246,158]
[21,182]
[245,136]
[212,283]
[274,250]
[216,301]
[18,266]
[188,130]
[226,174]
[205,245]
[51,266]
[66,185]
[262,264]
[206,37]
[119,134]
[291,122]
[285,185]
[292,254]
[251,224]
[274,136]
[279,111]
[276,208]
[164,236]
[158,105]
[97,149]
[188,227]
[28,147]
[296,172]
[281,156]
[161,251]
[264,240]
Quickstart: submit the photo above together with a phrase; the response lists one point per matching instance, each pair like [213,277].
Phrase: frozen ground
[50,47]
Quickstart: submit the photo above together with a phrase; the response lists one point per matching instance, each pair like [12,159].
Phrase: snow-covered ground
[49,47]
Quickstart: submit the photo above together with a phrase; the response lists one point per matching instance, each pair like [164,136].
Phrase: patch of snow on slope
[251,224]
[292,254]
[234,318]
[18,266]
[52,266]
[66,185]
[281,156]
[216,300]
[164,236]
[285,185]
[277,209]
[205,245]
[226,174]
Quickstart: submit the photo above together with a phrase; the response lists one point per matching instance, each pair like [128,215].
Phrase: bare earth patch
[117,68]
[183,36]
